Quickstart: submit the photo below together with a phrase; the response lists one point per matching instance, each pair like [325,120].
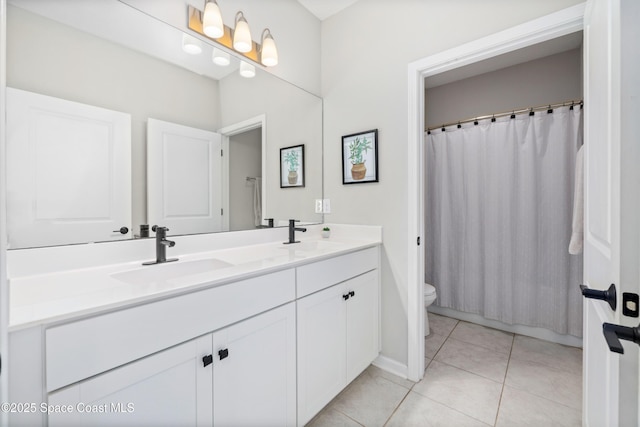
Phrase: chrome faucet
[292,231]
[161,246]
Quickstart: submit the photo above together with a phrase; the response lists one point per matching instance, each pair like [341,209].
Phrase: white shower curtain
[498,219]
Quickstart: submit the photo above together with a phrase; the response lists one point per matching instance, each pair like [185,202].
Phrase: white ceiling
[325,8]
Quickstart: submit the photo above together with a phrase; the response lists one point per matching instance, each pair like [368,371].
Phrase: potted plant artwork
[357,148]
[293,162]
[292,166]
[360,157]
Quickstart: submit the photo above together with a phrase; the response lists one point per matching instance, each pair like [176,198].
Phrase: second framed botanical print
[360,157]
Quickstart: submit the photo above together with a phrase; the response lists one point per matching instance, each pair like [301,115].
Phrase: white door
[255,371]
[184,178]
[321,350]
[362,323]
[68,171]
[169,388]
[612,237]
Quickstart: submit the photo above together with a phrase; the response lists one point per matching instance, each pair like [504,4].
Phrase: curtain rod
[512,113]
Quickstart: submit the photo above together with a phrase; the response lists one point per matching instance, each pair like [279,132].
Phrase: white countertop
[46,298]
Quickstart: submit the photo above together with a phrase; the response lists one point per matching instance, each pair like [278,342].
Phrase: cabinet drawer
[78,350]
[317,276]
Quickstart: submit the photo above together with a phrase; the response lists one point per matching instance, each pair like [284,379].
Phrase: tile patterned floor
[475,376]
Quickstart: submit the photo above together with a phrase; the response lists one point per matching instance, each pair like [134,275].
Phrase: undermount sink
[171,270]
[311,245]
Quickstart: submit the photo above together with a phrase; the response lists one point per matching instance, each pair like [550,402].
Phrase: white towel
[257,202]
[577,226]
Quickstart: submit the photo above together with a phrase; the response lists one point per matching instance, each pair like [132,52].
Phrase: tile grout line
[504,380]
[445,340]
[398,406]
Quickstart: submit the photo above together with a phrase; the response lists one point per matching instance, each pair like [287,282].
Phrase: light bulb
[269,53]
[220,57]
[191,45]
[247,70]
[212,20]
[242,35]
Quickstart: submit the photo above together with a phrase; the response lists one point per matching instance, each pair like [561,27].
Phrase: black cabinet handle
[123,230]
[614,333]
[223,354]
[207,360]
[609,295]
[345,296]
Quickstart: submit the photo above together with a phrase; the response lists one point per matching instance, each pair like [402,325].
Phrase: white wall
[552,79]
[364,86]
[245,160]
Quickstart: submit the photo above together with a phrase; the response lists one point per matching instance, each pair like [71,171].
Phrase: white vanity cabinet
[338,328]
[264,349]
[211,380]
[169,388]
[243,354]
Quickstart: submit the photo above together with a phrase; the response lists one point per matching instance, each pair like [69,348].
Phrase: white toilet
[429,297]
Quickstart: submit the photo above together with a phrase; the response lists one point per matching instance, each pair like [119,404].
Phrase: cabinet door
[169,388]
[362,323]
[321,350]
[254,371]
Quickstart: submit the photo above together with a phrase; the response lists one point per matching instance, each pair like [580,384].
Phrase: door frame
[4,283]
[227,132]
[558,24]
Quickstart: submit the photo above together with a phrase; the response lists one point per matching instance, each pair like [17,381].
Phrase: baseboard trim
[391,366]
[531,331]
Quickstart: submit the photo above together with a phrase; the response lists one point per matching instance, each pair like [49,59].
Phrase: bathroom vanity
[248,334]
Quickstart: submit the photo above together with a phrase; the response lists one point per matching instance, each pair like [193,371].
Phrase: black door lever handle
[609,295]
[614,333]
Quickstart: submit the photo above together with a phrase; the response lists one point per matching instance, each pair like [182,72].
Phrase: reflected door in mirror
[184,178]
[69,174]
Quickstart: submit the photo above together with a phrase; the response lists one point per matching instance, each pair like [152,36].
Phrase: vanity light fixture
[242,35]
[212,20]
[191,45]
[238,38]
[247,70]
[220,57]
[268,51]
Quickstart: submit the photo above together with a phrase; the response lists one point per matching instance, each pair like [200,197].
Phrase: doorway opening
[244,174]
[461,62]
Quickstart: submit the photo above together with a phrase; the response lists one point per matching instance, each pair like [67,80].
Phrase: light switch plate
[326,206]
[318,205]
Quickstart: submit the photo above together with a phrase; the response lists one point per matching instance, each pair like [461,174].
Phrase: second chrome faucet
[161,246]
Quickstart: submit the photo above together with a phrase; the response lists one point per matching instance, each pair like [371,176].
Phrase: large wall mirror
[112,59]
